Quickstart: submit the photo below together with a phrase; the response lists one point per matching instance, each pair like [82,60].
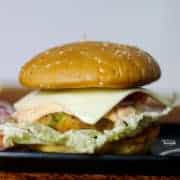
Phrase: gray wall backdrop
[27,27]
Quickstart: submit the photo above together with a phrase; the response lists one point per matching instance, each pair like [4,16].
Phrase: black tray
[164,159]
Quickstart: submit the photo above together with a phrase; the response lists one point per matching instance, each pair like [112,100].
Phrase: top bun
[90,64]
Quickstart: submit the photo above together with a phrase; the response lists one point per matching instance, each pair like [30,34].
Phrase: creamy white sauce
[81,141]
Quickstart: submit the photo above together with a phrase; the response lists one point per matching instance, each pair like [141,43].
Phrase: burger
[87,98]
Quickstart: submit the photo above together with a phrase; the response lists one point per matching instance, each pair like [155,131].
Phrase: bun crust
[90,64]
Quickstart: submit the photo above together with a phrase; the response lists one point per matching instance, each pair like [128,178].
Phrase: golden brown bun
[90,64]
[133,145]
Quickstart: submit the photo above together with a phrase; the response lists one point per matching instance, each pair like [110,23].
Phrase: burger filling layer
[125,120]
[131,106]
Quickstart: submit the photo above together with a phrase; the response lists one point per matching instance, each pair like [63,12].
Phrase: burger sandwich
[87,98]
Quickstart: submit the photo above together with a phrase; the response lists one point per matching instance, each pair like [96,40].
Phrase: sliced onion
[6,109]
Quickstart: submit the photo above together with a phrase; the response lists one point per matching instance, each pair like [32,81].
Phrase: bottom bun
[1,142]
[132,145]
[138,144]
[52,148]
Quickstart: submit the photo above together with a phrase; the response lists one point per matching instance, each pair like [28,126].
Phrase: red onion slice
[6,110]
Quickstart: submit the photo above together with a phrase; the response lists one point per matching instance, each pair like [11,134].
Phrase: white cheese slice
[89,105]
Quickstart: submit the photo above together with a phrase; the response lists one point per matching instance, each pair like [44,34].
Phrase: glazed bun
[90,64]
